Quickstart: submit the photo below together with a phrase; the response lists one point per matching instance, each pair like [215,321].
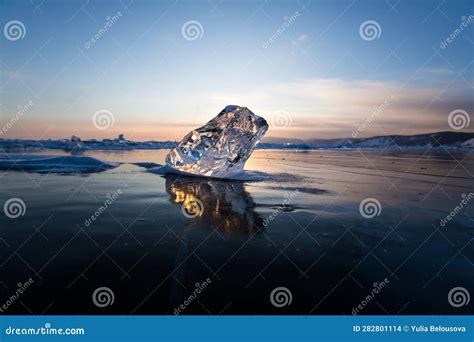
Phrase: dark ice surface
[300,229]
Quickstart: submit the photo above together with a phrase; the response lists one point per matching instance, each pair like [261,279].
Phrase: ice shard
[221,147]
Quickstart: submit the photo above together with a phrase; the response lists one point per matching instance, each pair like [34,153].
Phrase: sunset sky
[316,78]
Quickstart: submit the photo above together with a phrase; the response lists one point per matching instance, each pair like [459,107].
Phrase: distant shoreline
[451,140]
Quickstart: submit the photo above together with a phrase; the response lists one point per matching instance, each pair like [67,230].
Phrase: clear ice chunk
[221,147]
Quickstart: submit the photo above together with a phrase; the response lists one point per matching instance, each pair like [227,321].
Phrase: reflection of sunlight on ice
[189,201]
[253,163]
[180,195]
[222,204]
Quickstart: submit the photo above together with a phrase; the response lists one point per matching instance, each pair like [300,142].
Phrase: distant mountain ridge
[438,139]
[430,140]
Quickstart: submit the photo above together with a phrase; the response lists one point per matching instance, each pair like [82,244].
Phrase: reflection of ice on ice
[224,205]
[221,147]
[218,204]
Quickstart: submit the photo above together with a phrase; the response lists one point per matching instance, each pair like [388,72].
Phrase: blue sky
[318,78]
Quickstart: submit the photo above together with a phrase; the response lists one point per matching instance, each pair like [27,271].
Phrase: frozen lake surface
[154,237]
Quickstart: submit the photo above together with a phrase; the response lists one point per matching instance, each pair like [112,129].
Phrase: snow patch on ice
[53,164]
[468,143]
